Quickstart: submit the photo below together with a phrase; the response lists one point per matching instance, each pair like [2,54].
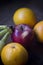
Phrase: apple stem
[21,28]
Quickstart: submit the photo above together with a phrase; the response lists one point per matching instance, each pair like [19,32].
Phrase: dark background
[8,7]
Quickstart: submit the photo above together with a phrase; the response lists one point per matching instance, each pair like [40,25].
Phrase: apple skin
[23,34]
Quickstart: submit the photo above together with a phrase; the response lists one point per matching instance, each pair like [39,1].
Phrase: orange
[38,28]
[24,16]
[14,54]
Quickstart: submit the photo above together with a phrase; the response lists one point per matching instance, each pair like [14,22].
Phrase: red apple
[23,34]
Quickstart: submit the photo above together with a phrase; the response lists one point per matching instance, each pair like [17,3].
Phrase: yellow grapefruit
[38,28]
[14,54]
[24,16]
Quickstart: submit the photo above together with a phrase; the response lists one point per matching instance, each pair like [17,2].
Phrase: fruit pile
[25,30]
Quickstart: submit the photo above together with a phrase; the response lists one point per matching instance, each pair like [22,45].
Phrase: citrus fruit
[24,16]
[38,28]
[14,54]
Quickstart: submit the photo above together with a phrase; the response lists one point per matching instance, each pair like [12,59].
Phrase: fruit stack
[22,34]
